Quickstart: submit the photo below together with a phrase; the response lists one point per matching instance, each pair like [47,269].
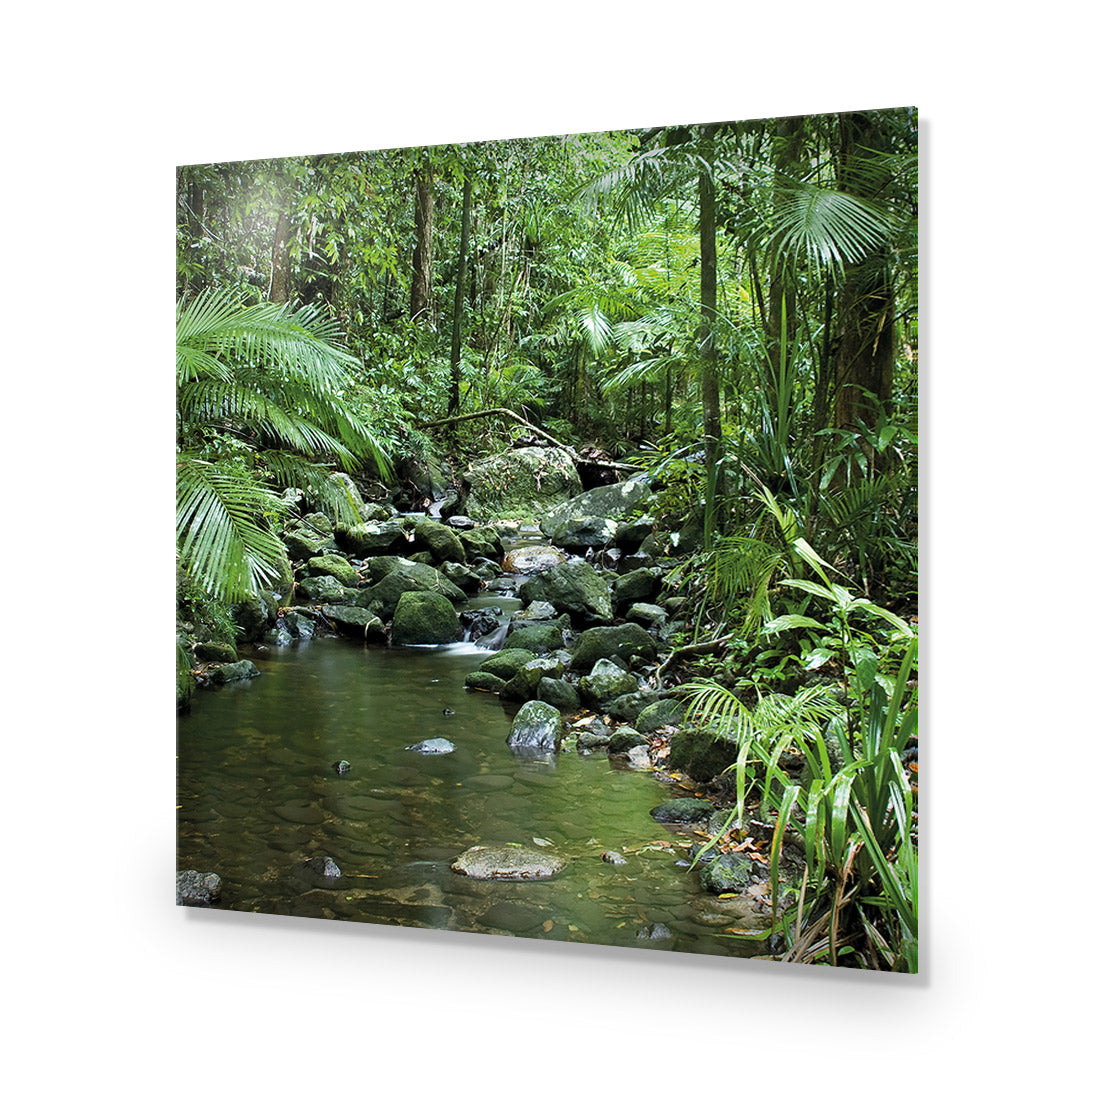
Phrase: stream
[258,797]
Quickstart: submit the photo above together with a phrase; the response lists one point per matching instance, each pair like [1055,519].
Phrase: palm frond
[223,542]
[830,228]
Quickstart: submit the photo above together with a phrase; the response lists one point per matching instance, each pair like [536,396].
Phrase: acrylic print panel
[547,538]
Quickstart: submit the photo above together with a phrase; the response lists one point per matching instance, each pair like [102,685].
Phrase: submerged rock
[197,888]
[682,811]
[434,746]
[325,866]
[506,863]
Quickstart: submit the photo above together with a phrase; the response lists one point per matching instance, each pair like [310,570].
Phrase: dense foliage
[731,306]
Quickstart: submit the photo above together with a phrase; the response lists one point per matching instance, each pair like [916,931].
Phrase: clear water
[258,797]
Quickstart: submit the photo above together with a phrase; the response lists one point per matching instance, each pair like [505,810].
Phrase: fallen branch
[531,428]
[696,647]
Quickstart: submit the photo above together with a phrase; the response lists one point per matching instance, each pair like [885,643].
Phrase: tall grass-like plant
[851,806]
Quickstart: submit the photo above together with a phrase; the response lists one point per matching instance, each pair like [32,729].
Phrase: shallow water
[258,796]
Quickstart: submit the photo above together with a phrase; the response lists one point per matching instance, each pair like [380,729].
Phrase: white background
[113,990]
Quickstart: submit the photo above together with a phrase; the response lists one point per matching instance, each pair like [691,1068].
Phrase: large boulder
[625,642]
[407,576]
[376,537]
[536,727]
[355,622]
[594,518]
[520,484]
[574,587]
[440,541]
[424,618]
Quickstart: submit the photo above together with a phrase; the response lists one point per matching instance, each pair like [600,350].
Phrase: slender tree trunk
[278,289]
[456,326]
[708,310]
[420,305]
[865,305]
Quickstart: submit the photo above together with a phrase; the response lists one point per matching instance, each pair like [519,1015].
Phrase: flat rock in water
[433,746]
[506,863]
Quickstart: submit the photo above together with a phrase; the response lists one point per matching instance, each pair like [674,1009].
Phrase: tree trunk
[420,306]
[708,310]
[279,288]
[456,326]
[865,305]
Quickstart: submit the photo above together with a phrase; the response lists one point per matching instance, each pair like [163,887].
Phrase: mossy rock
[574,587]
[730,873]
[408,576]
[482,542]
[324,587]
[302,544]
[537,637]
[606,681]
[626,738]
[520,484]
[367,539]
[627,642]
[559,693]
[355,622]
[255,615]
[664,712]
[424,618]
[484,681]
[700,753]
[439,540]
[331,566]
[215,651]
[507,662]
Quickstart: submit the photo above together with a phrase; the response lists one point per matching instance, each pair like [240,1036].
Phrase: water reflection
[259,797]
